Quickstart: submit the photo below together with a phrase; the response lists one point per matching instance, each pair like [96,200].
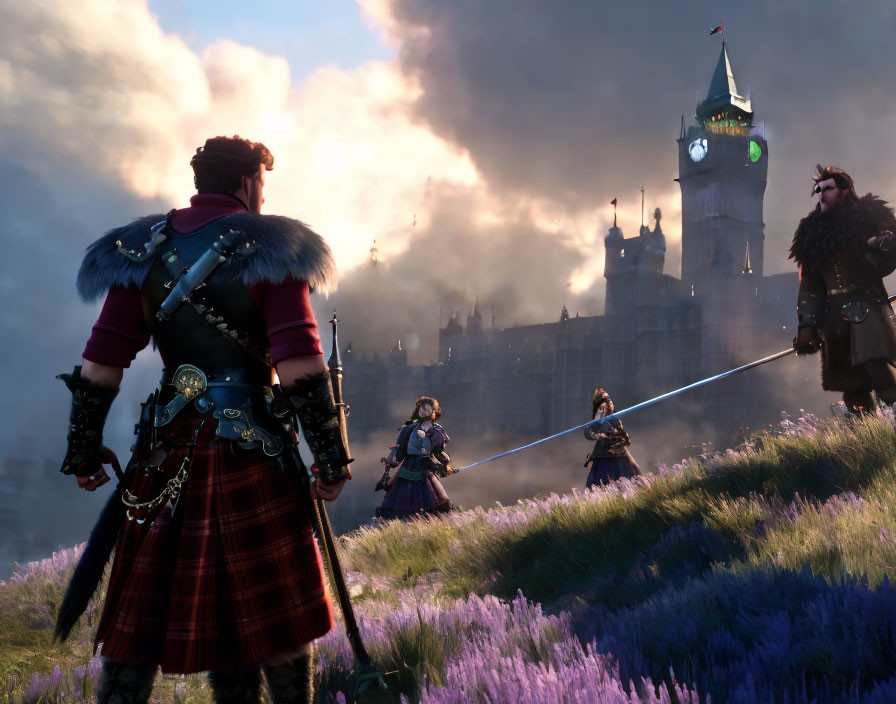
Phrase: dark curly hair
[420,402]
[842,179]
[220,164]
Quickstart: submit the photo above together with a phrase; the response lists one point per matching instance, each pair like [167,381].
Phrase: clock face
[698,148]
[755,151]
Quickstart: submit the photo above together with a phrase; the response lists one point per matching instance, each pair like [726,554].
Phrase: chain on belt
[172,489]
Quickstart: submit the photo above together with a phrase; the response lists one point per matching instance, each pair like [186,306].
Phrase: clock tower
[723,164]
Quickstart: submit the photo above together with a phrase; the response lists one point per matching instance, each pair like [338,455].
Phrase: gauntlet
[90,406]
[807,341]
[312,401]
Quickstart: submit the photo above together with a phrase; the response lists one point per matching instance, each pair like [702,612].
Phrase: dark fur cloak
[818,236]
[286,248]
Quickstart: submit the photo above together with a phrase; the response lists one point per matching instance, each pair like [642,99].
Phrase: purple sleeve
[292,329]
[121,330]
[438,437]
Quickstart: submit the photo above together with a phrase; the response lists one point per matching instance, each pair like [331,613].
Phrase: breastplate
[419,442]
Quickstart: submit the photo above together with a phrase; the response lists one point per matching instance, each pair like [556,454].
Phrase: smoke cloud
[482,160]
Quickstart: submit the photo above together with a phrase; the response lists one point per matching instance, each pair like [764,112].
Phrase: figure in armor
[216,568]
[419,454]
[844,248]
[610,458]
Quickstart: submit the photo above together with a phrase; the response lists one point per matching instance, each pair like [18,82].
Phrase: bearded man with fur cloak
[844,248]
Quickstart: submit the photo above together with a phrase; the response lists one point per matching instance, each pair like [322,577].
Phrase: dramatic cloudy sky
[479,142]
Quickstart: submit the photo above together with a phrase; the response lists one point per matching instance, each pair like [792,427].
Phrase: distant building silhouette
[657,333]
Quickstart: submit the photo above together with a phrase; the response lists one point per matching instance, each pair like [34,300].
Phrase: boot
[292,682]
[124,683]
[859,404]
[240,686]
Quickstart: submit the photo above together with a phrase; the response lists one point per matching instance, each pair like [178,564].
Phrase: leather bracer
[90,406]
[312,401]
[810,311]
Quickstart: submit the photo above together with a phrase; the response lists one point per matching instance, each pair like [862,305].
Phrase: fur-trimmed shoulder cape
[286,247]
[818,236]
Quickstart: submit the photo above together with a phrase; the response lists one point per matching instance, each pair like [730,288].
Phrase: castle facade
[657,333]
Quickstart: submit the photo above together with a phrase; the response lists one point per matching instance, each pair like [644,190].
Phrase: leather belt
[224,376]
[240,408]
[840,291]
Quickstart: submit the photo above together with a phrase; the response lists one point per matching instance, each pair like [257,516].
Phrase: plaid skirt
[231,576]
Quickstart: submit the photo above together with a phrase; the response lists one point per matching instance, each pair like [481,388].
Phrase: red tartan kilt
[233,577]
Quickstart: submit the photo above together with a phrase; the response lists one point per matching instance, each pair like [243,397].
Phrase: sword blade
[637,406]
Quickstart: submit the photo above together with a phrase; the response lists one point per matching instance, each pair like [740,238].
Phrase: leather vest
[221,327]
[215,345]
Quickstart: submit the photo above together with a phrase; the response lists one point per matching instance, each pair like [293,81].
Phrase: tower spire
[723,106]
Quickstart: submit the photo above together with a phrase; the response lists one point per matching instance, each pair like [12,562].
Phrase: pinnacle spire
[723,104]
[722,83]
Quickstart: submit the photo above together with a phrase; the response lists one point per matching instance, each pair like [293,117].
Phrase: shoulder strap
[188,279]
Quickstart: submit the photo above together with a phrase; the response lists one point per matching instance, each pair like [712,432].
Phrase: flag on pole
[718,29]
[613,202]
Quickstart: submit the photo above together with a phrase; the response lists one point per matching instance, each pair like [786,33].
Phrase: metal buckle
[239,425]
[190,382]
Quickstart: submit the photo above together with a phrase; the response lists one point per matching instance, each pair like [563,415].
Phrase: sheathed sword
[368,679]
[196,274]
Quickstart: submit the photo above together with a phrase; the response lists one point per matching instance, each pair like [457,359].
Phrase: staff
[643,404]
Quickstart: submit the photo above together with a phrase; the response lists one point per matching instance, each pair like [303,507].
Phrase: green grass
[823,502]
[738,498]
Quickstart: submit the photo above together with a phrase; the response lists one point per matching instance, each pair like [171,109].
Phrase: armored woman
[419,454]
[609,459]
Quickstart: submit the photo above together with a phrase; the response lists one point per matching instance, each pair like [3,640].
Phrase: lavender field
[758,574]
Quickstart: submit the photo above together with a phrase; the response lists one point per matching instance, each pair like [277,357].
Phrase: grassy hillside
[758,574]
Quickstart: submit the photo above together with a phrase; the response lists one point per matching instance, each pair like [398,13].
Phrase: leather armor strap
[312,401]
[222,249]
[90,406]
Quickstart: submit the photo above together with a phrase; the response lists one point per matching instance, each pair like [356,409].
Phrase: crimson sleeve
[121,330]
[292,329]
